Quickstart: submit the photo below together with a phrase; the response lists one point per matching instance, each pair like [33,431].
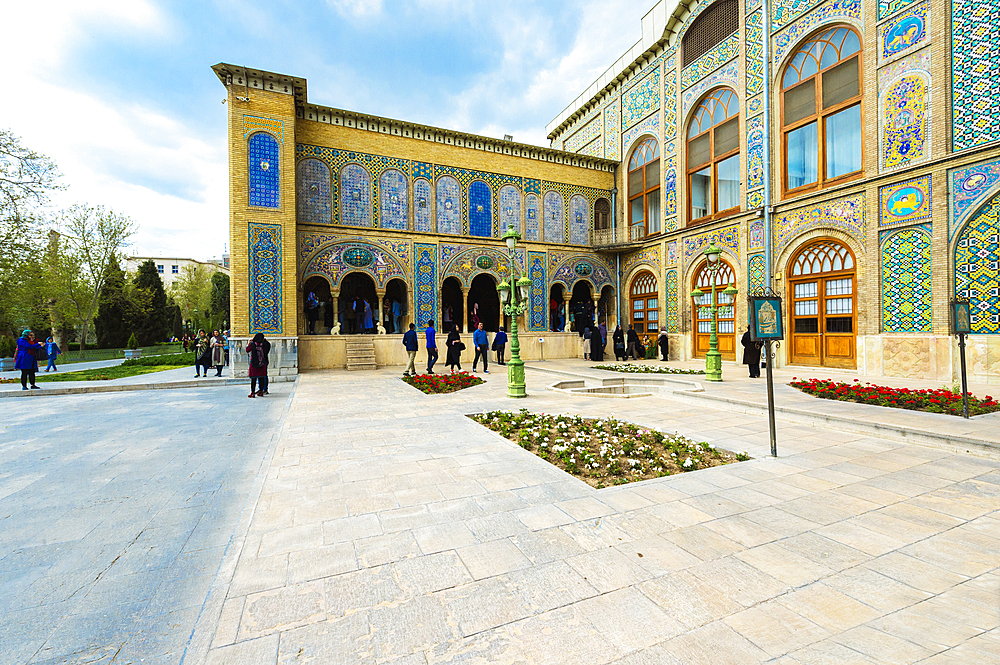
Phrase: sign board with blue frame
[961,317]
[765,319]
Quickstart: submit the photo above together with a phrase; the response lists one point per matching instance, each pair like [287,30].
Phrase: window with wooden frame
[713,157]
[602,215]
[645,303]
[821,126]
[644,190]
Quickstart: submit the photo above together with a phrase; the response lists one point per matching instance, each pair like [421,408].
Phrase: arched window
[555,211]
[821,111]
[422,205]
[713,157]
[645,304]
[644,190]
[602,215]
[702,307]
[532,218]
[449,205]
[710,28]
[262,171]
[355,195]
[822,311]
[579,220]
[313,188]
[393,199]
[509,208]
[480,209]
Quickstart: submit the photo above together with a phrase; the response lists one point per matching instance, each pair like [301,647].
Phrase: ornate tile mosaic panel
[422,170]
[728,76]
[903,33]
[449,205]
[755,199]
[593,149]
[467,261]
[670,98]
[670,188]
[752,5]
[480,210]
[670,294]
[650,125]
[425,281]
[846,214]
[756,272]
[398,251]
[905,202]
[555,213]
[509,203]
[265,279]
[970,187]
[906,280]
[755,52]
[263,172]
[585,135]
[671,253]
[725,238]
[977,267]
[253,124]
[532,217]
[579,220]
[641,99]
[720,54]
[539,292]
[755,104]
[975,64]
[837,10]
[374,258]
[650,256]
[312,186]
[422,205]
[393,199]
[612,129]
[889,7]
[755,152]
[356,196]
[784,12]
[755,235]
[904,121]
[569,270]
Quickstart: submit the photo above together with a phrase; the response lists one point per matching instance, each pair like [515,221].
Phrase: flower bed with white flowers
[629,368]
[606,451]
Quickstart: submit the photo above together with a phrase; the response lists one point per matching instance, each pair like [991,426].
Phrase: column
[335,303]
[466,312]
[380,296]
[567,296]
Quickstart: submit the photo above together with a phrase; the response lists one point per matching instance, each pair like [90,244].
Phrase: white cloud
[357,8]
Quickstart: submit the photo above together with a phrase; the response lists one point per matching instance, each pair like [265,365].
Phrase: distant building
[171,269]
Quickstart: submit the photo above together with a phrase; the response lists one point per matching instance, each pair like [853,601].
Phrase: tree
[78,264]
[116,312]
[192,291]
[152,325]
[220,299]
[175,318]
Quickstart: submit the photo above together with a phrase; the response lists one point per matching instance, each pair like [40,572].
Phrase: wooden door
[702,308]
[823,306]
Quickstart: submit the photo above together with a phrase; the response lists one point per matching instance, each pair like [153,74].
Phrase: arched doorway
[702,308]
[394,307]
[316,305]
[644,304]
[452,304]
[484,303]
[557,317]
[581,307]
[823,312]
[606,313]
[357,289]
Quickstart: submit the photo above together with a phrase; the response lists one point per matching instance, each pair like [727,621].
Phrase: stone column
[380,296]
[466,310]
[335,303]
[567,326]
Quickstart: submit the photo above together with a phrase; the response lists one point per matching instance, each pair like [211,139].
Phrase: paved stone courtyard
[374,524]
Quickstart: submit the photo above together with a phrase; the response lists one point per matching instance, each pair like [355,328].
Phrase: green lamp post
[513,302]
[713,359]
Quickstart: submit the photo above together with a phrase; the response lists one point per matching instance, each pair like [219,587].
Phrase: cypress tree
[116,313]
[153,325]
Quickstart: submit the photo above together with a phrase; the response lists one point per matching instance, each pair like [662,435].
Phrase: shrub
[7,347]
[133,342]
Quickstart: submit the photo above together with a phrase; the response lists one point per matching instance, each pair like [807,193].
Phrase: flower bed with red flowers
[941,400]
[435,384]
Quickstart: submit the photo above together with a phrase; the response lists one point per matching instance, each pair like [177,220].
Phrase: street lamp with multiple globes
[519,293]
[713,359]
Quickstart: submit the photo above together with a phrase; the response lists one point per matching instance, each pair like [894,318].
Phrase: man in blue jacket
[482,343]
[410,342]
[500,345]
[432,349]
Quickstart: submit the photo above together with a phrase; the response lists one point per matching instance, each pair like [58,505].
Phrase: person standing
[410,343]
[618,339]
[587,335]
[185,341]
[218,352]
[500,345]
[448,320]
[432,349]
[397,316]
[257,350]
[632,337]
[350,313]
[455,347]
[482,343]
[475,317]
[51,352]
[202,354]
[663,341]
[369,323]
[751,353]
[312,312]
[225,337]
[26,360]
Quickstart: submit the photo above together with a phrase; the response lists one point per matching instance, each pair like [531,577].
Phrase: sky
[121,95]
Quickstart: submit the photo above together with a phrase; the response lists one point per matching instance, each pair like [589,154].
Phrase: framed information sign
[961,317]
[765,318]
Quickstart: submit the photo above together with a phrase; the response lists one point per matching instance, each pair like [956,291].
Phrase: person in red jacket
[257,350]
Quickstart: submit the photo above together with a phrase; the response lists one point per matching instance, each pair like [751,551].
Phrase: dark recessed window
[710,28]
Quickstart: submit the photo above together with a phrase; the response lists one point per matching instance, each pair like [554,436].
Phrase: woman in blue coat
[25,359]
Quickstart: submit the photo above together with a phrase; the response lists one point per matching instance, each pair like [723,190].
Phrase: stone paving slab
[392,529]
[116,512]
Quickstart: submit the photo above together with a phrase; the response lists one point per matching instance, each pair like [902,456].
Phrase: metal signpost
[961,325]
[764,308]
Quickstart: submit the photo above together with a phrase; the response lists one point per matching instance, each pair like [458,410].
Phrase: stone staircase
[361,352]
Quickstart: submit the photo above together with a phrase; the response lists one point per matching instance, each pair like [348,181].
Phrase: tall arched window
[645,303]
[821,111]
[644,190]
[602,215]
[713,157]
[823,316]
[393,200]
[262,171]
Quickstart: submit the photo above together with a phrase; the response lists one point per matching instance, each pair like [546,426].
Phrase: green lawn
[101,373]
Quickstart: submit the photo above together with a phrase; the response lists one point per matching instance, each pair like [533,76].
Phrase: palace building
[853,166]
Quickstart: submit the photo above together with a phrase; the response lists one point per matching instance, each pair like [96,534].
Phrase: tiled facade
[919,223]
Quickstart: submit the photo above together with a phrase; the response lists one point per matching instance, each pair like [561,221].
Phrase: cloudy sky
[121,96]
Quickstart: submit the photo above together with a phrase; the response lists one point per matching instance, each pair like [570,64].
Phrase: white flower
[688,463]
